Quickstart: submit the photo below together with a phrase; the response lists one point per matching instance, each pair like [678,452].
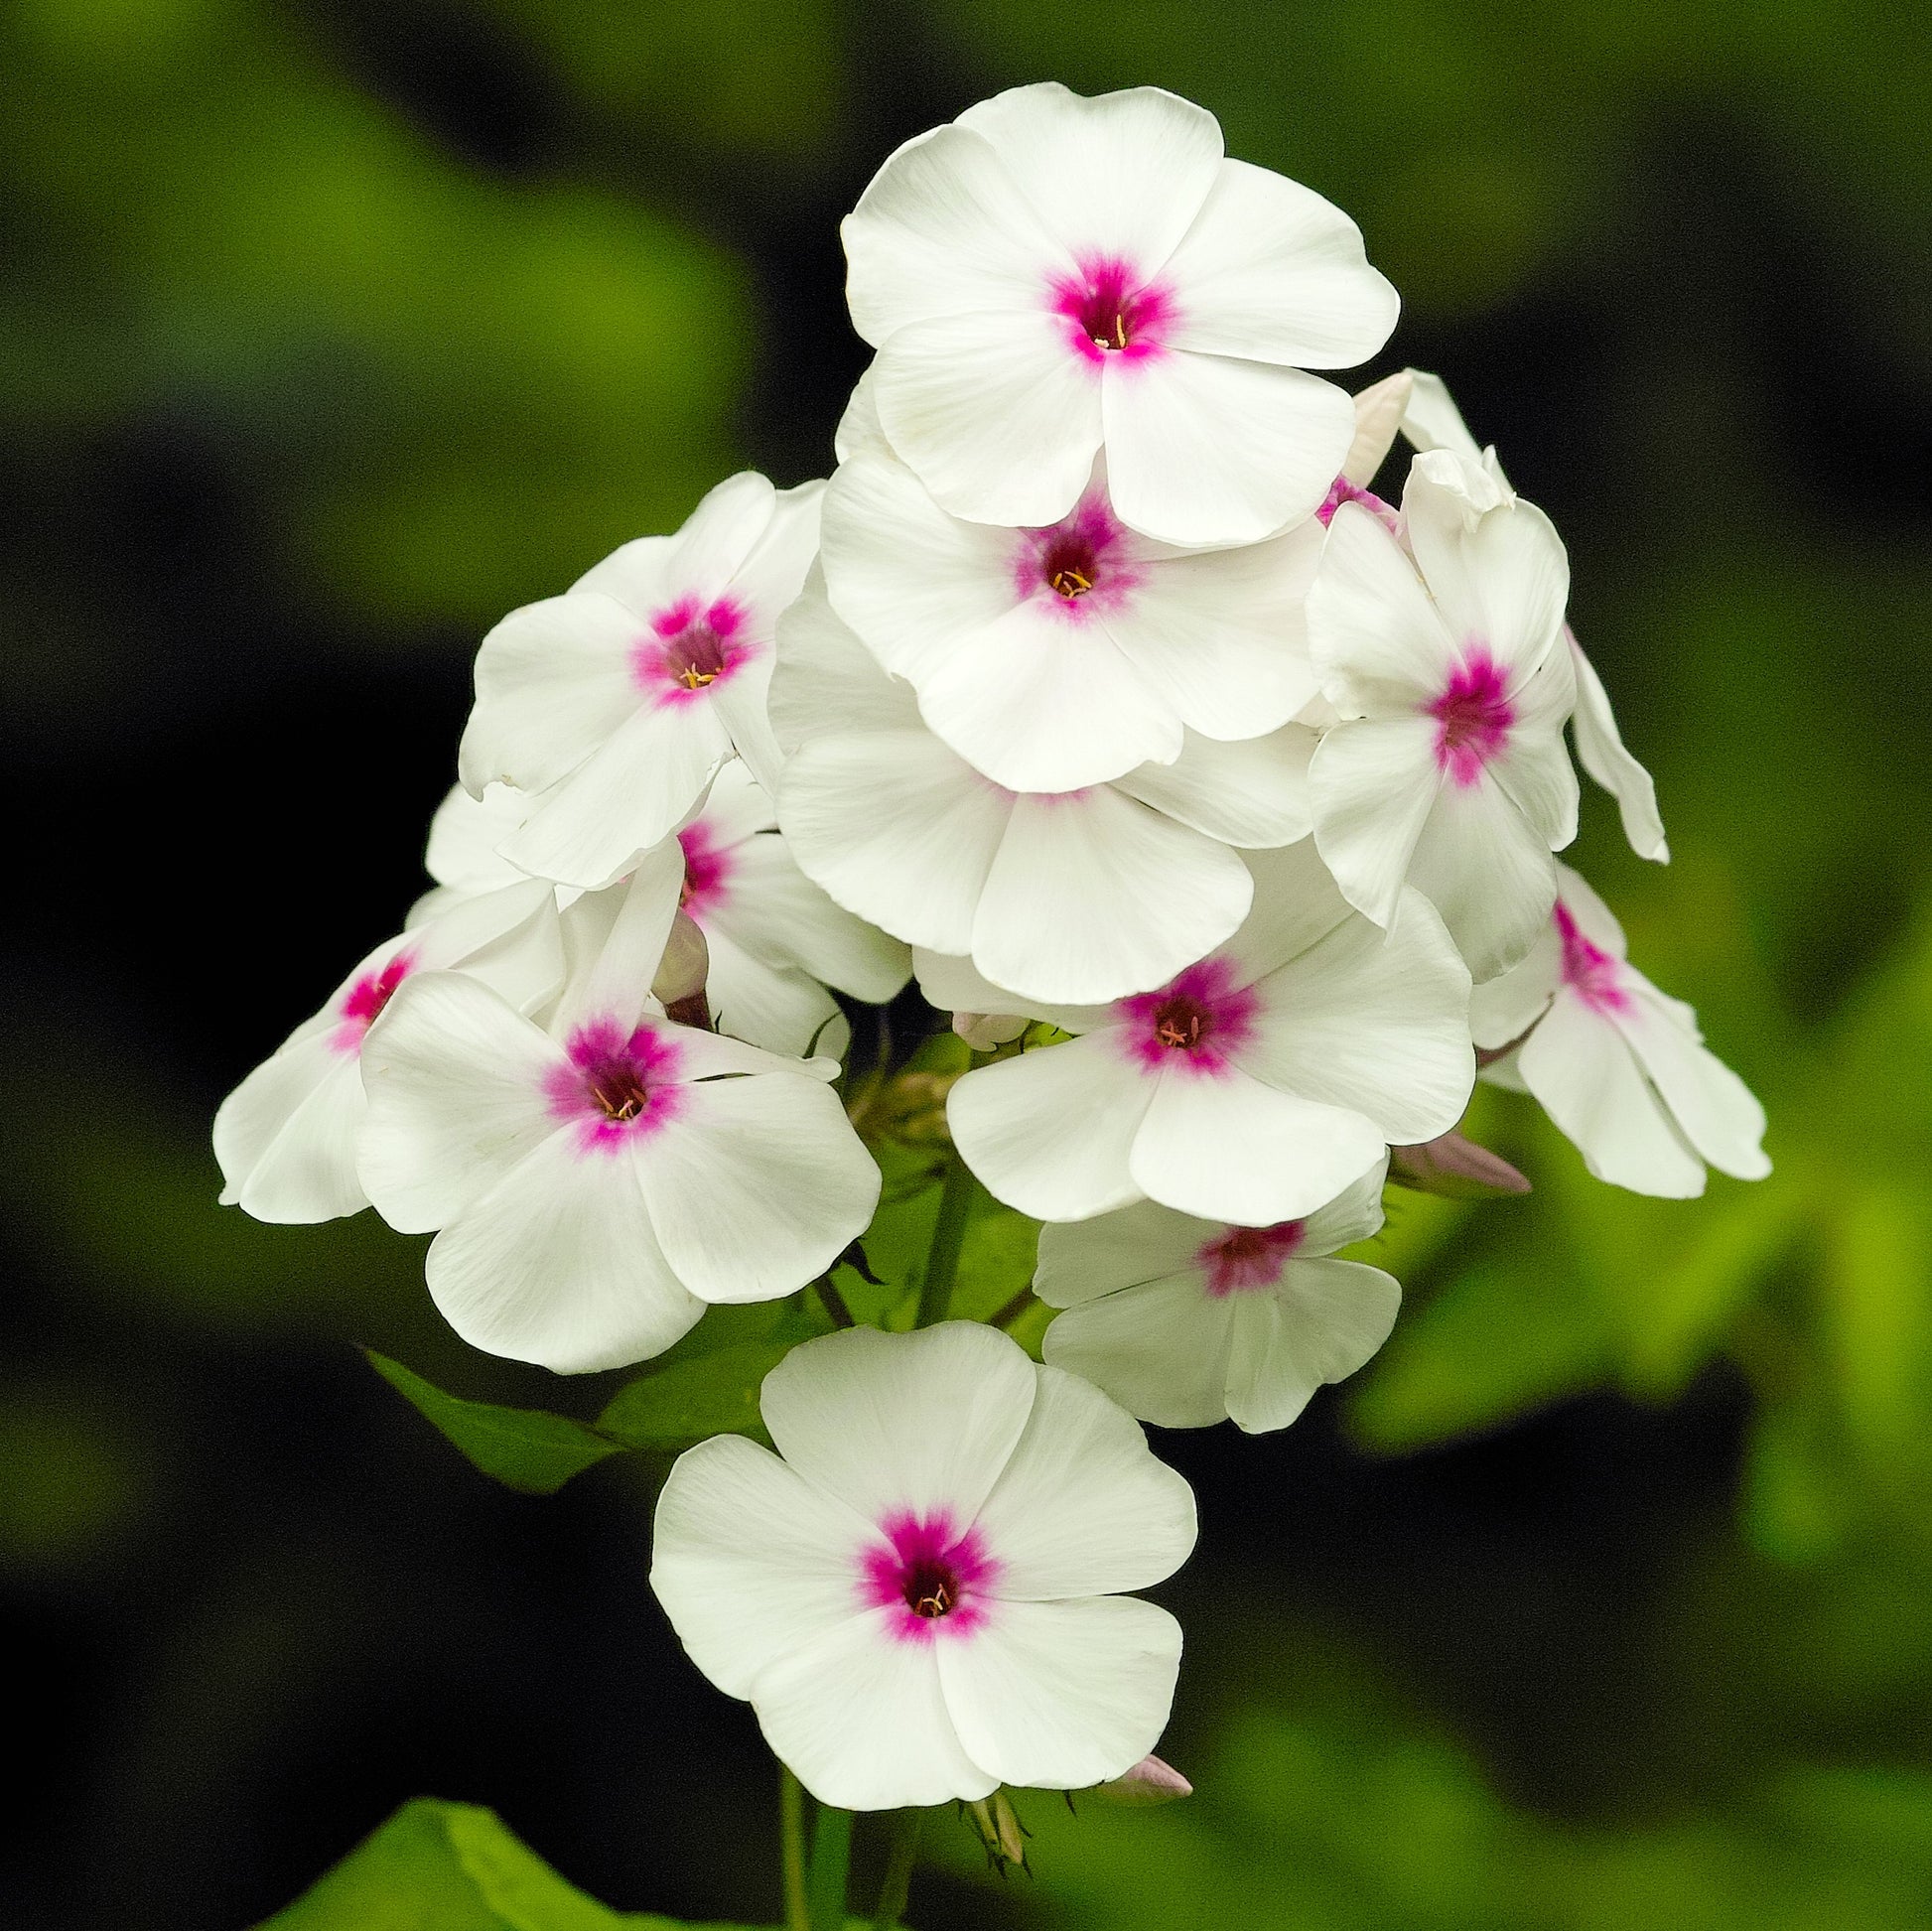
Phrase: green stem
[1012,1310]
[898,1871]
[791,1850]
[834,1302]
[948,1234]
[831,1858]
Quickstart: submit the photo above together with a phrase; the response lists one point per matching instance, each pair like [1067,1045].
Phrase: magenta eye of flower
[1070,567]
[695,657]
[1250,1257]
[930,1588]
[1181,1023]
[1473,716]
[618,1090]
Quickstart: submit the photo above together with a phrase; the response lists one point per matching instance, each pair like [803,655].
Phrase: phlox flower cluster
[1216,796]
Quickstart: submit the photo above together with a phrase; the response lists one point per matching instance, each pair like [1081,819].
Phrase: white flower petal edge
[914,1594]
[287,1136]
[1049,275]
[1619,1067]
[1186,1322]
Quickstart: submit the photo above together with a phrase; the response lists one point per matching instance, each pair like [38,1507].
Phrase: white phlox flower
[775,940]
[1619,1067]
[919,1594]
[1252,1087]
[599,1179]
[614,703]
[1447,769]
[1081,895]
[463,852]
[1187,1322]
[286,1137]
[1432,421]
[1055,657]
[1050,275]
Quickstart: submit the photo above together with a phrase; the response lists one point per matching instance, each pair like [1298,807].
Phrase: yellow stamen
[694,679]
[1069,582]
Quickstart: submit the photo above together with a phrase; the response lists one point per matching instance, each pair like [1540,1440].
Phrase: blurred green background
[330,330]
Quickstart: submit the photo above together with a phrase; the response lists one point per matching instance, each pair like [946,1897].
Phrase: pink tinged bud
[1149,1782]
[1456,1168]
[985,1031]
[682,971]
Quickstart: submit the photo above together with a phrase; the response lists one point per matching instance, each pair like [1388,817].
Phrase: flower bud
[985,1031]
[687,960]
[1001,1831]
[1149,1782]
[1456,1168]
[1379,410]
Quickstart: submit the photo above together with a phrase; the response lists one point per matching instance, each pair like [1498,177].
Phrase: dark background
[329,332]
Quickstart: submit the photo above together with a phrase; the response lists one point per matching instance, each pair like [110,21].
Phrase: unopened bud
[682,971]
[1001,1831]
[1149,1782]
[1456,1168]
[985,1031]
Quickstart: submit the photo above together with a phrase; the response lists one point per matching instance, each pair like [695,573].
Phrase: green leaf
[442,1866]
[526,1449]
[715,1394]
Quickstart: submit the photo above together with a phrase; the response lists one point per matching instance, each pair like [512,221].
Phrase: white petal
[888,1422]
[1159,1348]
[1323,1322]
[1504,1007]
[1503,583]
[827,682]
[750,1560]
[999,417]
[776,914]
[1221,633]
[1355,1214]
[1594,920]
[614,941]
[1014,1124]
[1600,751]
[1121,173]
[554,680]
[1587,1081]
[857,430]
[718,536]
[1203,450]
[1714,1110]
[1379,410]
[778,1007]
[1044,701]
[1083,1508]
[1376,1025]
[635,574]
[898,829]
[1533,769]
[286,1137]
[1490,875]
[1296,906]
[743,708]
[1271,272]
[1372,783]
[1093,896]
[1229,1148]
[1063,1695]
[954,986]
[756,1186]
[1377,641]
[588,830]
[1433,421]
[556,1264]
[1252,793]
[859,1718]
[944,229]
[464,836]
[456,1084]
[736,807]
[1144,1242]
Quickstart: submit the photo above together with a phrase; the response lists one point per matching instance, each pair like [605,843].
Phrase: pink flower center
[1594,975]
[691,645]
[1080,566]
[1246,1257]
[935,1577]
[1110,313]
[616,1086]
[1196,1020]
[708,866]
[1473,716]
[363,1004]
